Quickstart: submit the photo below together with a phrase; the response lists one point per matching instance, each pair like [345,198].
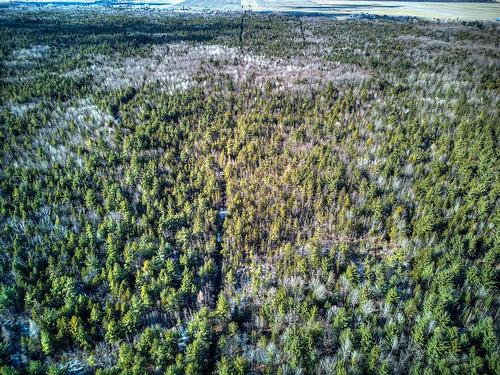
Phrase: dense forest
[248,194]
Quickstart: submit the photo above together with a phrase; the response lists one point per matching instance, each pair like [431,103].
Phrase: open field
[339,8]
[462,11]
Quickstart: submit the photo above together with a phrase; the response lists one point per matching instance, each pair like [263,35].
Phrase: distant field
[428,10]
[461,11]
